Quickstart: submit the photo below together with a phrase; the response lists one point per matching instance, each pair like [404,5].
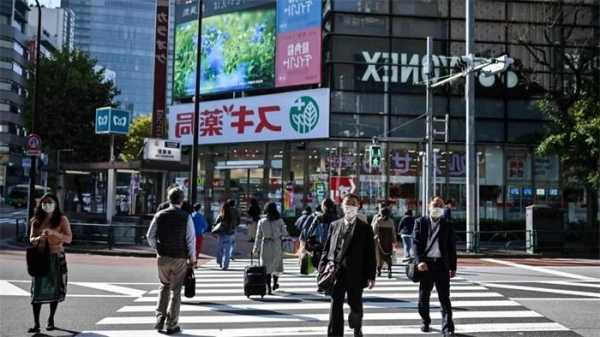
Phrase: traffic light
[375,156]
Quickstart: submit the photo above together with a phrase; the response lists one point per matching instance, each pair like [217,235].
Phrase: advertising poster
[286,116]
[299,57]
[340,186]
[293,15]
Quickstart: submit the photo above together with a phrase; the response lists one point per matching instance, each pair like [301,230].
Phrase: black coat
[446,239]
[359,263]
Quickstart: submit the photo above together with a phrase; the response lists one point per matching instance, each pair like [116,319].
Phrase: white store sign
[160,149]
[286,116]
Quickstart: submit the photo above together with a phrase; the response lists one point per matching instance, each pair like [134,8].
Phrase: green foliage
[140,128]
[575,138]
[70,92]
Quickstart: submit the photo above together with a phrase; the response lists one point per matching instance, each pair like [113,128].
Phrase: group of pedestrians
[356,250]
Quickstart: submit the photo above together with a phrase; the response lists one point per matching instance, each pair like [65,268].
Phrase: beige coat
[268,244]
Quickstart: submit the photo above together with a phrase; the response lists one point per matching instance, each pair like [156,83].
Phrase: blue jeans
[406,244]
[232,246]
[224,250]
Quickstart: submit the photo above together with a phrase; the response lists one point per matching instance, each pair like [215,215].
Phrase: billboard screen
[239,43]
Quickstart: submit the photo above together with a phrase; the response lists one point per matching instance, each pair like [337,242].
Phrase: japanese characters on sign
[292,115]
[299,57]
[160,67]
[298,14]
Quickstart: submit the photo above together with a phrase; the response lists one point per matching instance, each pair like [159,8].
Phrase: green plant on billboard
[238,52]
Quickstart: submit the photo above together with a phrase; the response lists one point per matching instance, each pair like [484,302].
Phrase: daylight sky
[47,3]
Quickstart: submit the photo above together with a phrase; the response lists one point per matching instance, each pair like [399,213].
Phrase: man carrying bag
[434,244]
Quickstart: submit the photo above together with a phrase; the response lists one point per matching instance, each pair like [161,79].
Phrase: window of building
[519,188]
[361,24]
[356,126]
[525,132]
[489,130]
[364,6]
[420,8]
[354,102]
[407,127]
[404,177]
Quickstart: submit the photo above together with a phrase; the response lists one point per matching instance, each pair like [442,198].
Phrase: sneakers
[172,331]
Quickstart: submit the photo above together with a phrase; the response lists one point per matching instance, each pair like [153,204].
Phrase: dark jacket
[406,226]
[359,263]
[447,241]
[171,232]
[254,213]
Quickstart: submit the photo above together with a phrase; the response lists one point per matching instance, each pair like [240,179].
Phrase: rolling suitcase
[255,279]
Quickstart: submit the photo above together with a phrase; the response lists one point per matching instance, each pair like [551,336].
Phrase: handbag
[38,259]
[190,283]
[412,272]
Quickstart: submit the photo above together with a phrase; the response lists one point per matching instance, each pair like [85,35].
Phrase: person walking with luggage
[225,231]
[385,238]
[405,229]
[435,254]
[50,229]
[254,214]
[351,246]
[267,246]
[171,233]
[200,227]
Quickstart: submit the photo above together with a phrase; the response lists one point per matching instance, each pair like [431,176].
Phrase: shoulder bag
[412,272]
[38,259]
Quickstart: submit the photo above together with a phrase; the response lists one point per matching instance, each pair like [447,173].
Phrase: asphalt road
[115,296]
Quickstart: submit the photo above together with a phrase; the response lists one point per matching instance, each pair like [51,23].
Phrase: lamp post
[32,169]
[194,166]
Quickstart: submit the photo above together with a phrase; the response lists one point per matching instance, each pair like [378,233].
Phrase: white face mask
[48,207]
[436,212]
[350,212]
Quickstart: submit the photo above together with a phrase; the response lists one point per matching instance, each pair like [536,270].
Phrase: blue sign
[527,192]
[112,121]
[295,15]
[514,191]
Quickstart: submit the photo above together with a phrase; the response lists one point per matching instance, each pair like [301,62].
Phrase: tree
[140,128]
[567,53]
[70,90]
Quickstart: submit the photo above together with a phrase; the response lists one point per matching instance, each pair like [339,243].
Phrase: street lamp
[32,169]
[194,166]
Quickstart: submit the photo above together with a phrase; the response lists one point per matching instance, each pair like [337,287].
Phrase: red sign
[340,186]
[160,68]
[34,145]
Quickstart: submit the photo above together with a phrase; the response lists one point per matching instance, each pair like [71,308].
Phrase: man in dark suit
[350,241]
[434,245]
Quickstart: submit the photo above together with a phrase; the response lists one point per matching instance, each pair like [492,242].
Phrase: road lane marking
[291,296]
[9,289]
[132,292]
[315,306]
[393,330]
[306,317]
[541,269]
[552,299]
[543,290]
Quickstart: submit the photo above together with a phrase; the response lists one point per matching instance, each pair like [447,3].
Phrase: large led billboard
[246,45]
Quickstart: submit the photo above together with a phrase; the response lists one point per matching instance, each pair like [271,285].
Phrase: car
[17,195]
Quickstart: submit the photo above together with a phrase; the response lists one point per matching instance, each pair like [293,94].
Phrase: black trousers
[336,312]
[439,276]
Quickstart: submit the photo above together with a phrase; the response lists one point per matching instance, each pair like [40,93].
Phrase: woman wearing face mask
[49,227]
[434,244]
[385,238]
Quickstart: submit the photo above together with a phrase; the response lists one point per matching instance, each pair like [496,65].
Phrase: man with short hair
[171,233]
[350,244]
[405,230]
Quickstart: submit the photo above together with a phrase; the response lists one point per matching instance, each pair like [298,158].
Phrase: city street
[115,296]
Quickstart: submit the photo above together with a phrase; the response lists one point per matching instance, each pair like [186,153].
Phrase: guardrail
[108,234]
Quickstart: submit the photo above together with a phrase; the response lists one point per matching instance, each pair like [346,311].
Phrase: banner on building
[294,115]
[161,41]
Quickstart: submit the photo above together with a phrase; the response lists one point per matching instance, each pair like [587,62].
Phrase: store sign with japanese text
[287,116]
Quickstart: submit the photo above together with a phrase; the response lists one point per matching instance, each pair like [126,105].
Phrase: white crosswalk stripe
[296,309]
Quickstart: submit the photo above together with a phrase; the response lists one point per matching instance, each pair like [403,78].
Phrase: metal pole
[478,207]
[32,169]
[429,122]
[385,144]
[110,184]
[435,152]
[471,150]
[194,164]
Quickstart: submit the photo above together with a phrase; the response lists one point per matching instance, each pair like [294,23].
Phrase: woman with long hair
[385,238]
[49,229]
[225,230]
[254,214]
[270,230]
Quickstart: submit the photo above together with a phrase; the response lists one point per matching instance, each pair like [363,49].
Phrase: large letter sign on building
[286,116]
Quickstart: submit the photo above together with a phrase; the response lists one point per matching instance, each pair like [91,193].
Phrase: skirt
[53,286]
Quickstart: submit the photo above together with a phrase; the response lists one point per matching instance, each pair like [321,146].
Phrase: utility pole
[429,124]
[36,98]
[470,147]
[194,165]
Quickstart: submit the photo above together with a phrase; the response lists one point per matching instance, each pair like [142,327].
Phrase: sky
[47,3]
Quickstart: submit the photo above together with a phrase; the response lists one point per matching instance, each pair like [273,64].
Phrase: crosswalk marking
[111,288]
[544,290]
[8,289]
[296,309]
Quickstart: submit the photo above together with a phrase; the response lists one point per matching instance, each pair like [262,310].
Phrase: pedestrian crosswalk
[296,309]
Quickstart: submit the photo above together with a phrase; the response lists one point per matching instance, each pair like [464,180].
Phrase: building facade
[13,67]
[372,56]
[58,26]
[120,36]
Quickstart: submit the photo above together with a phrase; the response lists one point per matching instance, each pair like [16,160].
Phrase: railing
[519,241]
[108,234]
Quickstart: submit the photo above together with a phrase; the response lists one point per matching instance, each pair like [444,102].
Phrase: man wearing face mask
[350,241]
[434,244]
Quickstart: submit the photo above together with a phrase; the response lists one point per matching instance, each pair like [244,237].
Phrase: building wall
[120,35]
[58,25]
